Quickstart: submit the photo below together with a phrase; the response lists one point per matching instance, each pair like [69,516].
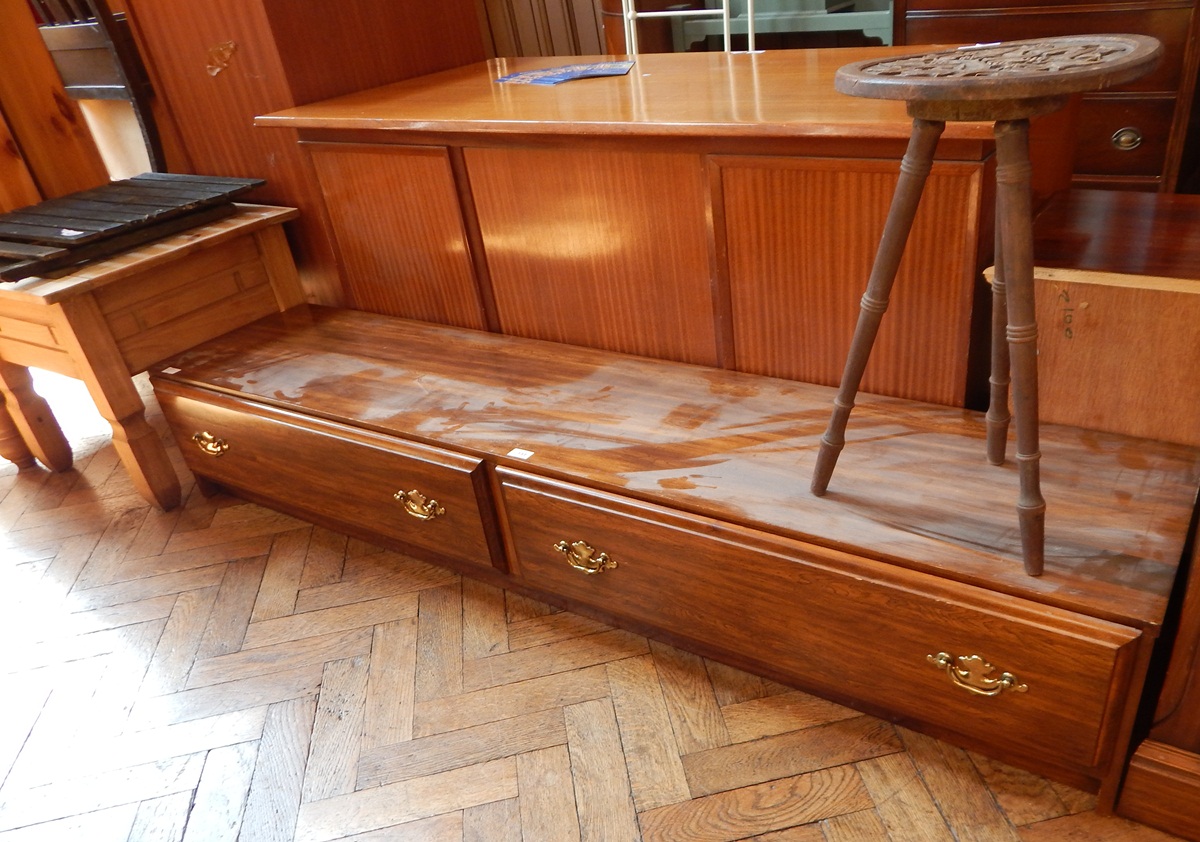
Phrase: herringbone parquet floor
[226,672]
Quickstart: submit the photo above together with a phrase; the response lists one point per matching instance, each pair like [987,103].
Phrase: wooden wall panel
[607,249]
[332,48]
[399,231]
[802,235]
[17,188]
[217,66]
[47,126]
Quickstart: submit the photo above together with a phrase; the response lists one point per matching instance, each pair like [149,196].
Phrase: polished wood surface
[225,670]
[1121,232]
[645,213]
[743,591]
[777,94]
[734,447]
[603,248]
[684,471]
[112,318]
[410,255]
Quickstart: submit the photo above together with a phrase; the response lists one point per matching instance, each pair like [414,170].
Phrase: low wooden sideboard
[673,499]
[717,209]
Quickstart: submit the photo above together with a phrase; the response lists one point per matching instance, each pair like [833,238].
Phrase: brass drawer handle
[418,505]
[1127,139]
[583,556]
[973,674]
[210,444]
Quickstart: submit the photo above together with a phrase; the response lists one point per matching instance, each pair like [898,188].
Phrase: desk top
[774,94]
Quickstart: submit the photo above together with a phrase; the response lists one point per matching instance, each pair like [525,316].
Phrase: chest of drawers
[673,499]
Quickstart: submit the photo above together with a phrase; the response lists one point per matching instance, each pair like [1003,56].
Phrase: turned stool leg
[998,415]
[1014,219]
[914,170]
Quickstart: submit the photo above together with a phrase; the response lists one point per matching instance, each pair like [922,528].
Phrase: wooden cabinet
[707,208]
[693,481]
[1129,137]
[216,64]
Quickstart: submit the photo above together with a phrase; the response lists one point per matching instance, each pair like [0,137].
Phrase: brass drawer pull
[210,444]
[972,673]
[1127,139]
[583,556]
[418,505]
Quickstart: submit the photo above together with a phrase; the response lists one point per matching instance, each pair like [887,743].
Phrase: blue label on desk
[567,72]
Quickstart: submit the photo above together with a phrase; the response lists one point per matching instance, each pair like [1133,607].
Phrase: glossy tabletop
[784,93]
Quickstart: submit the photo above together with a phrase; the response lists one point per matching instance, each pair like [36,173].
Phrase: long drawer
[991,667]
[418,496]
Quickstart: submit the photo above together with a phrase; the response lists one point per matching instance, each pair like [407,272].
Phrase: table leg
[998,415]
[1014,216]
[914,170]
[12,446]
[104,372]
[32,419]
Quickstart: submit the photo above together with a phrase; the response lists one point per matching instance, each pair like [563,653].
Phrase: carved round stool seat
[1007,83]
[1002,81]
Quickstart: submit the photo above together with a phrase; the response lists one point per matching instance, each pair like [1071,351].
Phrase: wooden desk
[717,209]
[114,318]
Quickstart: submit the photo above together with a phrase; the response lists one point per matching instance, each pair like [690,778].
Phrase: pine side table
[111,319]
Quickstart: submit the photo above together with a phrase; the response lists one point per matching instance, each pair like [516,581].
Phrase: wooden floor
[226,672]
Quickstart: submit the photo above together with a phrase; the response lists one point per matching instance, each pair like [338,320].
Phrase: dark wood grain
[913,485]
[1123,232]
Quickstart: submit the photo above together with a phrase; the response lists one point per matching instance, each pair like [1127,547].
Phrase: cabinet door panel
[802,235]
[607,249]
[399,231]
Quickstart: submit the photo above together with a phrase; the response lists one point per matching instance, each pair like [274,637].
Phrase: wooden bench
[673,500]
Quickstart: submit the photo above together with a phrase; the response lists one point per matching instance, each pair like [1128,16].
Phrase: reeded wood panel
[599,248]
[802,235]
[399,231]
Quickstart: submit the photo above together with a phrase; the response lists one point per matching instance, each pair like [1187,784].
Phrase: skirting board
[1162,789]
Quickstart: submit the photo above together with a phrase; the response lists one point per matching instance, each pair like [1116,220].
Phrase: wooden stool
[1006,83]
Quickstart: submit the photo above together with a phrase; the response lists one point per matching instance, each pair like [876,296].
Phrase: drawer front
[1123,137]
[832,622]
[336,473]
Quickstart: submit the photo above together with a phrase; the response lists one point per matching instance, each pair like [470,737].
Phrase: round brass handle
[418,505]
[583,556]
[1127,139]
[973,674]
[210,444]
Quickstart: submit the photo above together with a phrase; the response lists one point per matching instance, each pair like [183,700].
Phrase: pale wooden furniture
[1130,264]
[113,318]
[706,208]
[670,498]
[1131,136]
[1117,282]
[1008,83]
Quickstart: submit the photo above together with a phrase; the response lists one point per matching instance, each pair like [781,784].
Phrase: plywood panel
[399,231]
[802,235]
[1118,353]
[607,249]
